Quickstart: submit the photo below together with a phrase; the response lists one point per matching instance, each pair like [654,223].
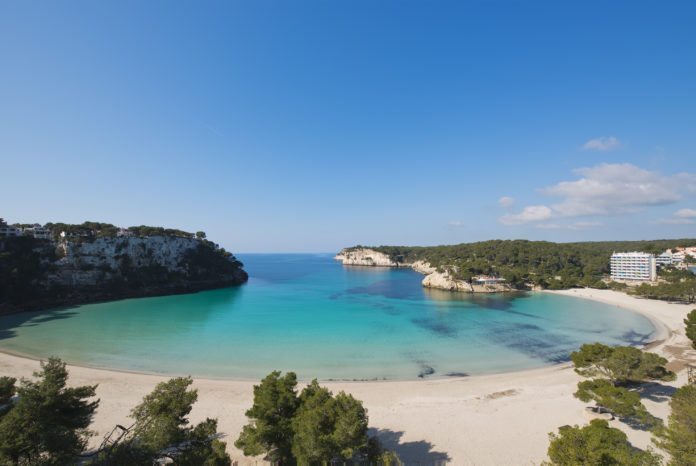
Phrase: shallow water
[310,314]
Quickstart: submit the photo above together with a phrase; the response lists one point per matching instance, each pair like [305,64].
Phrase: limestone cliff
[366,257]
[442,279]
[69,271]
[423,267]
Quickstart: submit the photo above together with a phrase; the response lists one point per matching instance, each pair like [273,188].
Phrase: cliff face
[107,259]
[366,257]
[433,278]
[68,272]
[443,281]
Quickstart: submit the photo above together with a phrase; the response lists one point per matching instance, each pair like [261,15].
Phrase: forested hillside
[521,262]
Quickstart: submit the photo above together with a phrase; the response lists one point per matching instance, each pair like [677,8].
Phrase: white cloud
[609,189]
[676,221]
[603,144]
[532,213]
[687,180]
[685,213]
[506,201]
[568,226]
[680,217]
[455,223]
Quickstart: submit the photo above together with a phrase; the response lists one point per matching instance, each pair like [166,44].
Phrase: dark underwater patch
[634,338]
[436,326]
[520,313]
[403,288]
[533,341]
[425,371]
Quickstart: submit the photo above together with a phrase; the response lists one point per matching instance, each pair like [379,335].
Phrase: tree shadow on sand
[655,391]
[411,453]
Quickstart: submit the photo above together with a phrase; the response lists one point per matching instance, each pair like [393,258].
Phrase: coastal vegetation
[91,230]
[46,421]
[23,262]
[621,365]
[679,437]
[7,391]
[616,372]
[161,430]
[674,285]
[527,263]
[314,427]
[596,444]
[49,421]
[690,322]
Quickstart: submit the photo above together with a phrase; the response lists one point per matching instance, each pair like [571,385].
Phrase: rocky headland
[76,269]
[435,277]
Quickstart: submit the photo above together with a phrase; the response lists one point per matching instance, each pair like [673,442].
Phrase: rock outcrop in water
[43,273]
[444,281]
[434,278]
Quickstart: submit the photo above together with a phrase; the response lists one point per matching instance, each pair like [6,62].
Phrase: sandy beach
[498,419]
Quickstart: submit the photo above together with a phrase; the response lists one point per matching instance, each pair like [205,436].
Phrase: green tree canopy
[690,322]
[619,400]
[620,364]
[161,419]
[315,427]
[270,431]
[203,447]
[680,290]
[378,456]
[614,368]
[48,424]
[327,427]
[162,428]
[596,444]
[679,437]
[7,389]
[525,263]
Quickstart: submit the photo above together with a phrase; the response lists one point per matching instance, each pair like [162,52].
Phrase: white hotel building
[633,266]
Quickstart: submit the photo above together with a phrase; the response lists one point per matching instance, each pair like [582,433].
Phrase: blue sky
[309,126]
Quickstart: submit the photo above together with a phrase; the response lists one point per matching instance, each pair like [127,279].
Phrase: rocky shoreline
[434,278]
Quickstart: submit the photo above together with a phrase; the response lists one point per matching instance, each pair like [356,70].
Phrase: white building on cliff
[7,231]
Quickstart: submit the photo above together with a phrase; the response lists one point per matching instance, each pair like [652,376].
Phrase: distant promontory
[509,265]
[435,277]
[61,264]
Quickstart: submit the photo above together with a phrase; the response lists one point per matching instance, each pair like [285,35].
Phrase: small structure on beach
[487,280]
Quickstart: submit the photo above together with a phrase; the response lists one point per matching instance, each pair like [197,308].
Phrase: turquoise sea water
[310,314]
